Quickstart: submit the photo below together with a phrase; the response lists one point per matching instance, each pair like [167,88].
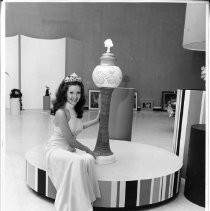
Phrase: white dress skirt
[72,173]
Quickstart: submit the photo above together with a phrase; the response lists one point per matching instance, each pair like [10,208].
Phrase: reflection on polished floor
[34,127]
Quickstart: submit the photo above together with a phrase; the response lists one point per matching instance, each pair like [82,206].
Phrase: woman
[71,171]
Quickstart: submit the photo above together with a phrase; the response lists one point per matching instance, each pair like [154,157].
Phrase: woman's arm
[61,120]
[92,122]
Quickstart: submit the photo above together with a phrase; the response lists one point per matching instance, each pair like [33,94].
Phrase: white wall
[42,64]
[11,66]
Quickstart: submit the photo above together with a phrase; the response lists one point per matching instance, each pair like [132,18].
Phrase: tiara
[72,77]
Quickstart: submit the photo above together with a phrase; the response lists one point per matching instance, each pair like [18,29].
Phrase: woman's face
[73,94]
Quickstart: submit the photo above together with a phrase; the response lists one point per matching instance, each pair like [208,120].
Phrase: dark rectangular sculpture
[195,174]
[46,102]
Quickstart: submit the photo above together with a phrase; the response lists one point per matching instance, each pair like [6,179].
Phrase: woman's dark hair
[61,97]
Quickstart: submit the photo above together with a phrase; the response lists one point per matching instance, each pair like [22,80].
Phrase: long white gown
[72,173]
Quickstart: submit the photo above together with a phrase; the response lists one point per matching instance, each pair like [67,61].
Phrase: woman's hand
[72,149]
[91,153]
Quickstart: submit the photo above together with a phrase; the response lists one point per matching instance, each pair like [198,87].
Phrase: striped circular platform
[142,175]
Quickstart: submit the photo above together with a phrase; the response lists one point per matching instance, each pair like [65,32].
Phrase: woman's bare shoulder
[61,114]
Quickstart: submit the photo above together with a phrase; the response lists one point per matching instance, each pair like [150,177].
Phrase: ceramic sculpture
[106,76]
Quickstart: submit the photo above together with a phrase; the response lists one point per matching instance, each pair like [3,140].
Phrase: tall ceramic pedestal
[102,148]
[106,76]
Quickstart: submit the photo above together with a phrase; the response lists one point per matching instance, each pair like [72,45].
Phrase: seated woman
[71,171]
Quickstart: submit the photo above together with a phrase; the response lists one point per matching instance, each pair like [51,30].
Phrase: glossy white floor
[33,127]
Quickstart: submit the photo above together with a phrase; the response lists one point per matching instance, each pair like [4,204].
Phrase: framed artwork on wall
[135,105]
[146,104]
[94,99]
[168,97]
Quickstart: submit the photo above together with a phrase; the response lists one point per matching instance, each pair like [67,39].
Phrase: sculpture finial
[108,44]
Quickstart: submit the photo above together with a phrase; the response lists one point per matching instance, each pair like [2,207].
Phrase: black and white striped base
[147,176]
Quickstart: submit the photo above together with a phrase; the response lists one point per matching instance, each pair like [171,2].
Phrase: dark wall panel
[147,40]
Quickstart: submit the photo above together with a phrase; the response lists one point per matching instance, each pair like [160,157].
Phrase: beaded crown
[72,77]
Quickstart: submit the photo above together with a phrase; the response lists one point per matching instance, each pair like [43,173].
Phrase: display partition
[42,64]
[11,66]
[32,64]
[190,109]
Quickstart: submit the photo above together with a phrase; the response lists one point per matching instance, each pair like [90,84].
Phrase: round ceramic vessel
[107,74]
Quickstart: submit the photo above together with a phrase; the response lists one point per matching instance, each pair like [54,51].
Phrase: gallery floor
[34,127]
